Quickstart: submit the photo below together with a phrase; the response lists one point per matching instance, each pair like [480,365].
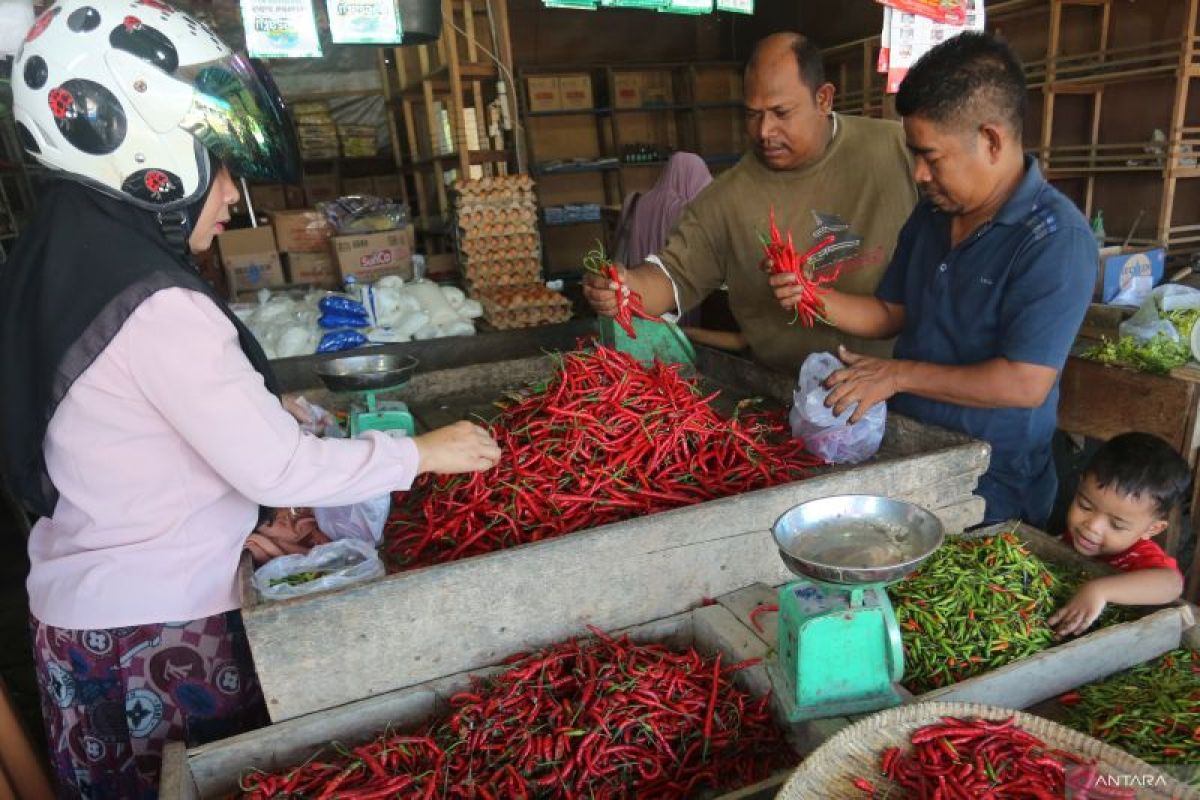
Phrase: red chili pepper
[781,258]
[865,785]
[765,608]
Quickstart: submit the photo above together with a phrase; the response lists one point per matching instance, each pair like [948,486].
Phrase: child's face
[1105,522]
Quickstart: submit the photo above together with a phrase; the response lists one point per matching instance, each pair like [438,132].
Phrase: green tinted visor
[238,114]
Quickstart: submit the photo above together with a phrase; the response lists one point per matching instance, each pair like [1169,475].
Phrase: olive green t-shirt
[861,191]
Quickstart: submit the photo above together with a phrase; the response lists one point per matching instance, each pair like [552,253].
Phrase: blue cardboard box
[1130,270]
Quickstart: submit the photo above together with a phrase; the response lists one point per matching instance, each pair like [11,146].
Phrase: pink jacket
[162,452]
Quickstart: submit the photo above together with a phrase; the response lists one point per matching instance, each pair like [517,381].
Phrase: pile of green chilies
[1151,711]
[607,439]
[978,604]
[596,718]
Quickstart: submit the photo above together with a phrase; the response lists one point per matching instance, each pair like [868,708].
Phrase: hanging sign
[688,6]
[953,12]
[654,4]
[908,36]
[280,29]
[364,21]
[736,6]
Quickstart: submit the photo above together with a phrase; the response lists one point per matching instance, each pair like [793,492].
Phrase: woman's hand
[461,447]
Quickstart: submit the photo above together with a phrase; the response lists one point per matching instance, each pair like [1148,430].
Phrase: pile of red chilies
[606,440]
[977,759]
[595,718]
[781,257]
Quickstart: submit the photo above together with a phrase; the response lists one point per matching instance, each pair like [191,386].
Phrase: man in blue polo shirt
[989,282]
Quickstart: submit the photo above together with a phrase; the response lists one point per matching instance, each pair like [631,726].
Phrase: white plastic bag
[343,563]
[1148,322]
[362,521]
[825,434]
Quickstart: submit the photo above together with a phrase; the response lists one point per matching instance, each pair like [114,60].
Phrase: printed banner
[364,21]
[280,29]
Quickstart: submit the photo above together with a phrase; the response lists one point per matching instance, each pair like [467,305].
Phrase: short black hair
[1142,465]
[808,59]
[970,79]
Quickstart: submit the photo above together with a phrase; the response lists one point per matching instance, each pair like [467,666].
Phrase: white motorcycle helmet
[131,96]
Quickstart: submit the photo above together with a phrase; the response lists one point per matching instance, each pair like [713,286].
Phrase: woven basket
[856,751]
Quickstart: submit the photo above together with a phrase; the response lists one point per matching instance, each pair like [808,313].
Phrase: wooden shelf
[458,72]
[571,112]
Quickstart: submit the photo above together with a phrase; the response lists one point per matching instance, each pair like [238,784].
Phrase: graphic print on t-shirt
[844,252]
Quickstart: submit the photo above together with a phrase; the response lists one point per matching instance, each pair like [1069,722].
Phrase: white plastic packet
[337,564]
[1148,322]
[361,521]
[825,434]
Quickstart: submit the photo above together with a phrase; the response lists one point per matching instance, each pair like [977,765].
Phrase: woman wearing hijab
[140,419]
[648,219]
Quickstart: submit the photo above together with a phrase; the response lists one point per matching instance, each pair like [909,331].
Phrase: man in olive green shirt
[823,174]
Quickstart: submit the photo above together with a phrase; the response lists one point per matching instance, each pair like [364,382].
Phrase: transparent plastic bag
[361,521]
[341,563]
[825,434]
[364,214]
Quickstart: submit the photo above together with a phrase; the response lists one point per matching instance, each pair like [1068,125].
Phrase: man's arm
[648,280]
[859,315]
[688,266]
[996,383]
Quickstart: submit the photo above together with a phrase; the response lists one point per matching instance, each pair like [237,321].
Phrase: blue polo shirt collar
[1025,199]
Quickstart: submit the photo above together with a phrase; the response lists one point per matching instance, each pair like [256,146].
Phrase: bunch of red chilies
[781,257]
[606,440]
[979,759]
[629,302]
[595,718]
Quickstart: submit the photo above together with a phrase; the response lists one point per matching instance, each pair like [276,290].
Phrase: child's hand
[1079,614]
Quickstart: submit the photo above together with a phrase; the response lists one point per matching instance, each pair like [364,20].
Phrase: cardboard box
[656,89]
[544,93]
[627,88]
[304,231]
[576,91]
[317,269]
[1129,270]
[368,257]
[250,259]
[321,188]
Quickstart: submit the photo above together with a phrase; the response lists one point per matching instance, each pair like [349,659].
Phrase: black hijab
[79,270]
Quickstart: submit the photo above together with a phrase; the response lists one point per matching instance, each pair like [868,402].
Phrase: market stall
[319,651]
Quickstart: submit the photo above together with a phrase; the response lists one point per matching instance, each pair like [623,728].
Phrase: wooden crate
[1022,683]
[328,649]
[212,770]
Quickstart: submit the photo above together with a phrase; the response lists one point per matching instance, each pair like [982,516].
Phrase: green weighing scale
[364,377]
[839,650]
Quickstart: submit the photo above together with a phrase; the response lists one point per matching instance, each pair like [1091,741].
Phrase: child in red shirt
[1127,492]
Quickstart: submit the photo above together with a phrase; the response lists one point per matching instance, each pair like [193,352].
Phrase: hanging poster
[364,21]
[953,12]
[910,36]
[280,29]
[737,6]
